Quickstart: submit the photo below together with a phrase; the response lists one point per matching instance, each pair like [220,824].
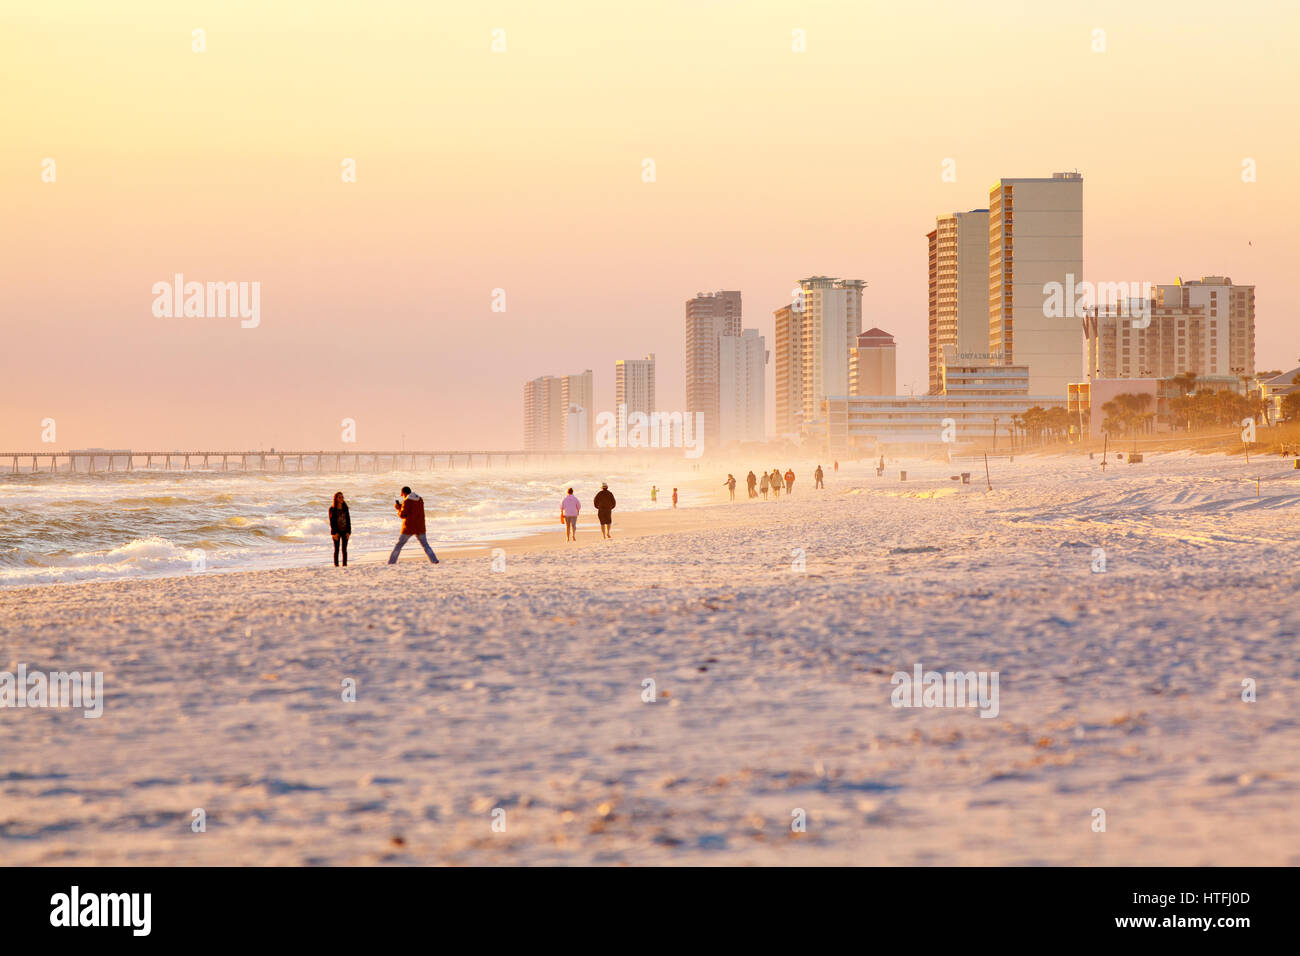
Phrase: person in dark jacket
[411,511]
[751,480]
[340,527]
[605,504]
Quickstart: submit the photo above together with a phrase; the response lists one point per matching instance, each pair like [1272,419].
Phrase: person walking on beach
[654,494]
[776,483]
[730,485]
[750,481]
[569,509]
[789,481]
[604,504]
[411,510]
[817,477]
[763,485]
[837,465]
[674,497]
[340,527]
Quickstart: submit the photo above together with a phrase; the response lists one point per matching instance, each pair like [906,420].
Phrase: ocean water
[67,528]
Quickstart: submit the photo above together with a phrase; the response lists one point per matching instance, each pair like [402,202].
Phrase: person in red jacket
[411,511]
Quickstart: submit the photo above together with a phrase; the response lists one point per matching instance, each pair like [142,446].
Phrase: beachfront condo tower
[742,388]
[831,319]
[544,419]
[1036,239]
[1205,327]
[634,390]
[709,316]
[788,374]
[1226,306]
[959,290]
[579,411]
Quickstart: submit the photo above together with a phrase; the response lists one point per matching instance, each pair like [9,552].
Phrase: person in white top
[569,509]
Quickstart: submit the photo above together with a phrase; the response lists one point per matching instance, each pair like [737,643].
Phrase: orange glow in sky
[522,170]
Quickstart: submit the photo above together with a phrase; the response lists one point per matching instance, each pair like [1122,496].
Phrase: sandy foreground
[522,690]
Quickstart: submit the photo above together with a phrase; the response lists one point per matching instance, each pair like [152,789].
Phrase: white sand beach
[522,690]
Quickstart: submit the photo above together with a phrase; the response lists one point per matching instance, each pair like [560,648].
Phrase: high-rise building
[959,289]
[789,370]
[1221,301]
[580,414]
[873,364]
[543,415]
[1206,327]
[1035,238]
[832,319]
[634,389]
[709,316]
[742,391]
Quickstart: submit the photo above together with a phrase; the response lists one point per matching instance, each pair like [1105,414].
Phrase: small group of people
[775,482]
[410,508]
[604,503]
[761,485]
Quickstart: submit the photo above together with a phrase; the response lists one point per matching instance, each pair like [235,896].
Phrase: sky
[522,170]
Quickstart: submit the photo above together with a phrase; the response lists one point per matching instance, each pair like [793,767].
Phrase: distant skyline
[523,171]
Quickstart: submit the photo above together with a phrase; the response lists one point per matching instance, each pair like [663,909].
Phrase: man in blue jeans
[411,510]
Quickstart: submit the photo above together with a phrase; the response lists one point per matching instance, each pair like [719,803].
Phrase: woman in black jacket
[340,527]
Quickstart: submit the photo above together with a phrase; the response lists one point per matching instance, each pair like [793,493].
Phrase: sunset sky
[522,170]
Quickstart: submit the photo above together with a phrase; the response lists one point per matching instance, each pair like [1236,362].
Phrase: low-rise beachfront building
[1273,390]
[861,422]
[873,364]
[976,400]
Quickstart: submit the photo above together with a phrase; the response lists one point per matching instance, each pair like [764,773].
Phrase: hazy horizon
[522,171]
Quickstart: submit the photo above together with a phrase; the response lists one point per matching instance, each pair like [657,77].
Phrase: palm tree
[1185,382]
[1127,413]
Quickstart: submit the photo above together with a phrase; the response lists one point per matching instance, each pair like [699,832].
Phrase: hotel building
[873,364]
[543,415]
[1035,238]
[831,318]
[634,390]
[788,374]
[1206,327]
[1220,300]
[959,289]
[742,389]
[977,398]
[709,317]
[579,411]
